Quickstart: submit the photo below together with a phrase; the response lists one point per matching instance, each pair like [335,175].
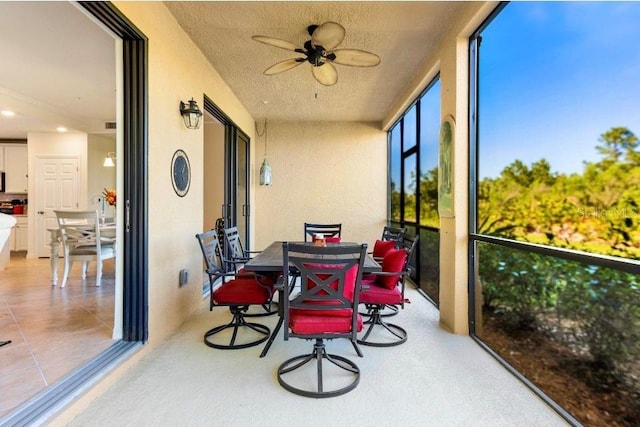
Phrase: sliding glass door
[235,209]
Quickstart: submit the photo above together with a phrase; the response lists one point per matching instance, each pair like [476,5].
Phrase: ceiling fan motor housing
[317,55]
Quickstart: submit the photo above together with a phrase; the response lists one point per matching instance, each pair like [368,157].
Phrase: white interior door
[56,188]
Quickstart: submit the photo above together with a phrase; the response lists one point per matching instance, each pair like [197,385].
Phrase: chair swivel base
[236,324]
[319,354]
[389,310]
[269,310]
[397,335]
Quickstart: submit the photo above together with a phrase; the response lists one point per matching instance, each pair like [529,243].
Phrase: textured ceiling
[58,69]
[404,35]
[59,65]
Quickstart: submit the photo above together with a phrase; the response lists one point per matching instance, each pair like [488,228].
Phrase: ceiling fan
[320,51]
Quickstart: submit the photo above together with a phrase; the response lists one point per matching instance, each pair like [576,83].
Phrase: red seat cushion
[242,291]
[372,293]
[381,247]
[267,278]
[393,262]
[310,322]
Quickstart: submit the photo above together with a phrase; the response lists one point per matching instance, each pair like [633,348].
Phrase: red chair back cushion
[381,247]
[393,262]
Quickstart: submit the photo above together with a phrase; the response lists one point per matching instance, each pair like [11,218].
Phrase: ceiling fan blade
[326,74]
[355,58]
[282,44]
[328,35]
[283,66]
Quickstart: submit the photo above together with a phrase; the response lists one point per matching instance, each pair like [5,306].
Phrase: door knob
[40,212]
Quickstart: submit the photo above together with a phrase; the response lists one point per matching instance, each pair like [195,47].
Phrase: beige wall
[177,72]
[322,172]
[99,177]
[452,63]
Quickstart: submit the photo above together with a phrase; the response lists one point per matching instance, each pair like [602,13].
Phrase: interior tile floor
[53,331]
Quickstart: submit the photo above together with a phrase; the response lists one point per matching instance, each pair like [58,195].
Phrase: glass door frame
[237,173]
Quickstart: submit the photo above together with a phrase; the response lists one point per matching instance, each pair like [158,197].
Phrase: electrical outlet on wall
[183,277]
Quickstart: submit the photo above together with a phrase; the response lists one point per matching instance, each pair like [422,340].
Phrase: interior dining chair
[81,241]
[237,256]
[236,292]
[332,233]
[325,309]
[386,289]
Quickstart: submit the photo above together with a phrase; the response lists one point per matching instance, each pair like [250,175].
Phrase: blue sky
[554,77]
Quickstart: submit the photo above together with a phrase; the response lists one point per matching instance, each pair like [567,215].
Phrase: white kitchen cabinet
[19,233]
[16,168]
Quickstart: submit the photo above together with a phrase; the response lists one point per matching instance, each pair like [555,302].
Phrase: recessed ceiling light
[61,129]
[7,113]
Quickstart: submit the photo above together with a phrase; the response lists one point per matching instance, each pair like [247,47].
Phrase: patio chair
[81,241]
[324,309]
[393,233]
[391,239]
[237,256]
[331,232]
[237,293]
[386,289]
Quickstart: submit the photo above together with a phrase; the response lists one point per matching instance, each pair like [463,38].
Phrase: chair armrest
[388,273]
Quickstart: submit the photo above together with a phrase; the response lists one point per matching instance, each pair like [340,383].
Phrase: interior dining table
[107,233]
[270,260]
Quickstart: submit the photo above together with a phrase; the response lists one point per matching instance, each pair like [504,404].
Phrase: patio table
[270,260]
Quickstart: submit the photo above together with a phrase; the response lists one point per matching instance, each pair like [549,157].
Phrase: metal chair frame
[238,256]
[393,233]
[322,287]
[375,311]
[396,234]
[210,246]
[327,230]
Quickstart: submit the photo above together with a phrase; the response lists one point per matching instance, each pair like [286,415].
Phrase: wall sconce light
[265,169]
[191,114]
[109,160]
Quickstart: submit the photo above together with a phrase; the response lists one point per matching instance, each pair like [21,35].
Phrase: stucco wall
[177,72]
[322,172]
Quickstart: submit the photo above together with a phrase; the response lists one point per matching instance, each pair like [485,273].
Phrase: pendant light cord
[264,133]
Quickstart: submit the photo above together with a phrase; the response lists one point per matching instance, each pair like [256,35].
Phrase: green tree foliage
[596,211]
[590,309]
